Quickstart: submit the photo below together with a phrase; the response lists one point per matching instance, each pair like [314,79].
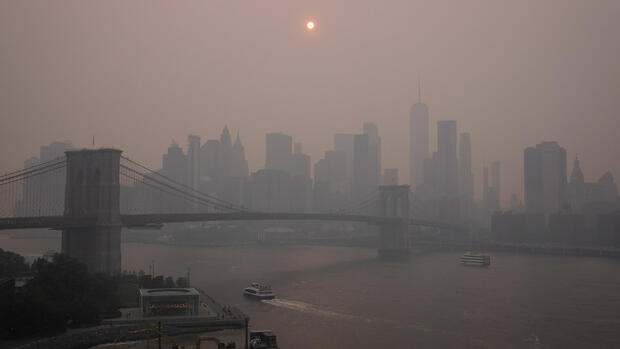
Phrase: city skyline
[478,188]
[568,94]
[305,167]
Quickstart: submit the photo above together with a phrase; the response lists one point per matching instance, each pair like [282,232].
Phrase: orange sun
[310,25]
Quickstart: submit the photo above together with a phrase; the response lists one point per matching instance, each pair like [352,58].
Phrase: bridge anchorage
[92,219]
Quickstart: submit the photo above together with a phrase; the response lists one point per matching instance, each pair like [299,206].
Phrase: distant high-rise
[278,151]
[496,182]
[418,140]
[301,184]
[374,154]
[193,161]
[48,187]
[239,164]
[360,166]
[210,158]
[174,165]
[331,183]
[343,142]
[591,198]
[54,150]
[297,148]
[447,163]
[576,188]
[300,163]
[466,178]
[280,159]
[544,178]
[490,198]
[390,176]
[225,151]
[514,203]
[485,183]
[271,191]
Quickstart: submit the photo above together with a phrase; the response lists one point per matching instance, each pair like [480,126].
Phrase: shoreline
[119,329]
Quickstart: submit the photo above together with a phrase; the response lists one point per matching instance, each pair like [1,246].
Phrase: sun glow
[310,25]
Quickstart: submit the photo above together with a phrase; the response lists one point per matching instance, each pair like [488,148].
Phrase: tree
[62,293]
[12,264]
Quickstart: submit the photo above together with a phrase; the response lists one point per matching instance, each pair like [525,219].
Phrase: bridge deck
[60,222]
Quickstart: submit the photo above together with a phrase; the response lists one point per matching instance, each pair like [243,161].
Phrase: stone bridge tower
[394,202]
[92,206]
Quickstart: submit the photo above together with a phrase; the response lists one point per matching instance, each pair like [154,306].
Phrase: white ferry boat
[475,259]
[258,291]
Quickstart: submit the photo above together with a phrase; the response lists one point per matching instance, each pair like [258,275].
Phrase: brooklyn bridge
[92,194]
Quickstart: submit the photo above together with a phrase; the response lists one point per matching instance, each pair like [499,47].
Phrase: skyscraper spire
[576,175]
[418,139]
[239,163]
[419,90]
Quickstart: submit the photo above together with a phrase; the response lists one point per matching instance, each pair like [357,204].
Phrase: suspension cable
[31,167]
[368,198]
[38,172]
[221,206]
[169,192]
[223,202]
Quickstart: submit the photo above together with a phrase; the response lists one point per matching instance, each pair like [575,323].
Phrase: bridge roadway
[146,220]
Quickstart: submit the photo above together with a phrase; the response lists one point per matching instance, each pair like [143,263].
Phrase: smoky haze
[136,75]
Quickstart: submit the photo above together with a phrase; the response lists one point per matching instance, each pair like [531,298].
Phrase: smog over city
[304,174]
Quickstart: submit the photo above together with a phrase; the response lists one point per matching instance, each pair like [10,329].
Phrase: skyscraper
[544,178]
[390,176]
[343,142]
[301,184]
[418,140]
[193,161]
[485,183]
[466,178]
[278,151]
[490,192]
[360,166]
[174,165]
[239,165]
[210,158]
[225,151]
[374,154]
[576,187]
[300,163]
[447,163]
[46,188]
[496,183]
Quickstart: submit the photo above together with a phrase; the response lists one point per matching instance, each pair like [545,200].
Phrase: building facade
[418,141]
[544,178]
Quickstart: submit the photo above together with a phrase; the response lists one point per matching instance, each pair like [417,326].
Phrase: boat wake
[312,309]
[317,310]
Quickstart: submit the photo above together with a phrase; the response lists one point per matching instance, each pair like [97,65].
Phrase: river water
[340,297]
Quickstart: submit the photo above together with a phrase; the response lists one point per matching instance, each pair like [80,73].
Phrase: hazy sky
[138,74]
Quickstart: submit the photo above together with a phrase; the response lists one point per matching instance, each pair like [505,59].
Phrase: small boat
[475,259]
[259,291]
[263,340]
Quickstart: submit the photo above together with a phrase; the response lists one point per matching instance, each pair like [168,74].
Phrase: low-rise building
[169,302]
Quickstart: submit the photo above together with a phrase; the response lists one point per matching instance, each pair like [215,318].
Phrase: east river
[340,297]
